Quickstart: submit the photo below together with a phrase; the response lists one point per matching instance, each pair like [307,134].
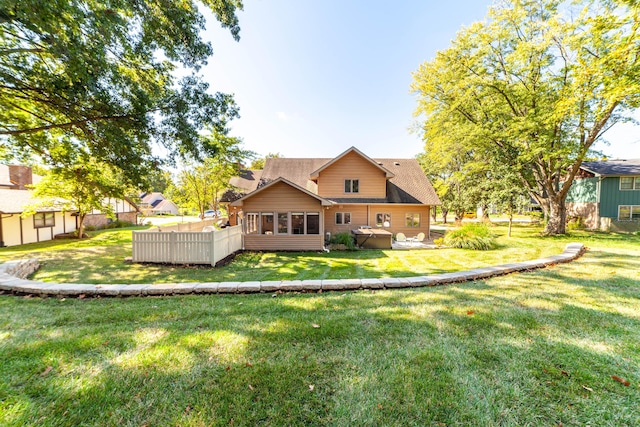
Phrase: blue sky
[315,77]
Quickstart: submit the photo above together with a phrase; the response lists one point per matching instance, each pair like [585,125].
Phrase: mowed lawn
[546,348]
[101,260]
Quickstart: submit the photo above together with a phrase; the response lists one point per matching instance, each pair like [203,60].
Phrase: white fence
[186,247]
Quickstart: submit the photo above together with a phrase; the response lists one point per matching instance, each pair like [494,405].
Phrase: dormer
[352,174]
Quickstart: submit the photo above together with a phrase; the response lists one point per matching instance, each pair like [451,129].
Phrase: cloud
[282,115]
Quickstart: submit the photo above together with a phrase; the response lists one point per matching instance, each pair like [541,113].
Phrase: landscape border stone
[13,279]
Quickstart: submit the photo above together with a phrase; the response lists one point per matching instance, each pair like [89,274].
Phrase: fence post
[213,248]
[172,247]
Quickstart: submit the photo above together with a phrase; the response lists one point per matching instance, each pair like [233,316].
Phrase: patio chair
[401,238]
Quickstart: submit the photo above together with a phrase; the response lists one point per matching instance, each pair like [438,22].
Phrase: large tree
[96,78]
[534,87]
[80,188]
[201,185]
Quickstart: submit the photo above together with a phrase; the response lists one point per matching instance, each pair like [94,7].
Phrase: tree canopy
[534,87]
[92,79]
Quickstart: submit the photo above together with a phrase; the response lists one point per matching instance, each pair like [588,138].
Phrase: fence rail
[182,247]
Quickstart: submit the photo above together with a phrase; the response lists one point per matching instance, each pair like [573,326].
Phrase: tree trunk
[557,216]
[510,223]
[445,212]
[80,226]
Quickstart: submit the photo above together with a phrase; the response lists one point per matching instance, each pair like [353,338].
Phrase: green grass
[537,349]
[101,260]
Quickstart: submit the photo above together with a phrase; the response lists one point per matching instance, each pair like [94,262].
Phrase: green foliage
[476,236]
[532,88]
[258,164]
[98,79]
[346,239]
[200,186]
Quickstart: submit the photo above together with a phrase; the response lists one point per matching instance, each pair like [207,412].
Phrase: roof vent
[396,163]
[380,163]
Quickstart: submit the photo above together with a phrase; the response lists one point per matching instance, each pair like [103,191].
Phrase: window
[44,219]
[313,223]
[628,212]
[383,219]
[283,223]
[343,218]
[252,223]
[412,220]
[630,183]
[267,223]
[351,185]
[297,223]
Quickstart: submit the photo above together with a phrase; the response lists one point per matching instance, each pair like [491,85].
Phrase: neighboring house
[296,201]
[43,225]
[155,203]
[49,221]
[606,195]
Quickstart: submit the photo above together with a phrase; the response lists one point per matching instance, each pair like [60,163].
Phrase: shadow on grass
[518,350]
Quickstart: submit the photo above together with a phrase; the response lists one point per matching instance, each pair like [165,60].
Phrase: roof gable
[316,173]
[323,201]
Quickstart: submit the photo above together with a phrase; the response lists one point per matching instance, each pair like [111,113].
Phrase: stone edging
[12,279]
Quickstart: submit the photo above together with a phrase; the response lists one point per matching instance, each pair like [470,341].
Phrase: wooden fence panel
[186,247]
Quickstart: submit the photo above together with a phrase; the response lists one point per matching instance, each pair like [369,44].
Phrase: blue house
[606,195]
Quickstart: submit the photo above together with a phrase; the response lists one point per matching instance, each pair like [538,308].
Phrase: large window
[412,220]
[383,220]
[44,219]
[252,223]
[351,185]
[630,183]
[297,223]
[267,223]
[283,223]
[628,212]
[313,223]
[343,218]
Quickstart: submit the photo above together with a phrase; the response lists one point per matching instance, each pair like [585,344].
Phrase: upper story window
[44,219]
[630,182]
[351,185]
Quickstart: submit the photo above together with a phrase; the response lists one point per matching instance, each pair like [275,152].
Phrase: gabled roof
[246,182]
[613,167]
[150,198]
[314,175]
[323,201]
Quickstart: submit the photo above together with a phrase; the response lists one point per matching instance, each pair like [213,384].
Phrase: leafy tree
[258,164]
[534,87]
[92,78]
[200,186]
[81,188]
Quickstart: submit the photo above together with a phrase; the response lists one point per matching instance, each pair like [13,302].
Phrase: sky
[314,77]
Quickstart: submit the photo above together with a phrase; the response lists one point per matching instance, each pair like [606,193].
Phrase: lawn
[101,260]
[539,348]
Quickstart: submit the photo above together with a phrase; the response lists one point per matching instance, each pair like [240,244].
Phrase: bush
[471,236]
[344,239]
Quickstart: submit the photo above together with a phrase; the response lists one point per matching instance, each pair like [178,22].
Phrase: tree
[81,188]
[89,78]
[534,87]
[200,186]
[258,164]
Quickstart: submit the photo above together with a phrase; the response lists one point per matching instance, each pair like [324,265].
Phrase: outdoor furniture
[416,239]
[400,237]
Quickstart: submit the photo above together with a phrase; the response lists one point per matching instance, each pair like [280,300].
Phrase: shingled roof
[408,183]
[246,182]
[613,167]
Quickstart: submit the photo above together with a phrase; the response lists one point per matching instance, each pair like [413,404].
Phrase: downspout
[2,245]
[598,185]
[21,233]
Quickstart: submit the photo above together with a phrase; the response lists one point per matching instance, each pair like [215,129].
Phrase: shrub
[344,239]
[471,236]
[439,242]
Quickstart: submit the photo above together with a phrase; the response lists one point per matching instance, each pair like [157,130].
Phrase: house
[155,203]
[296,202]
[606,195]
[48,221]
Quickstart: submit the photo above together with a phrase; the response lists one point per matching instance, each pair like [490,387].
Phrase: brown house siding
[281,197]
[366,215]
[259,242]
[372,181]
[587,211]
